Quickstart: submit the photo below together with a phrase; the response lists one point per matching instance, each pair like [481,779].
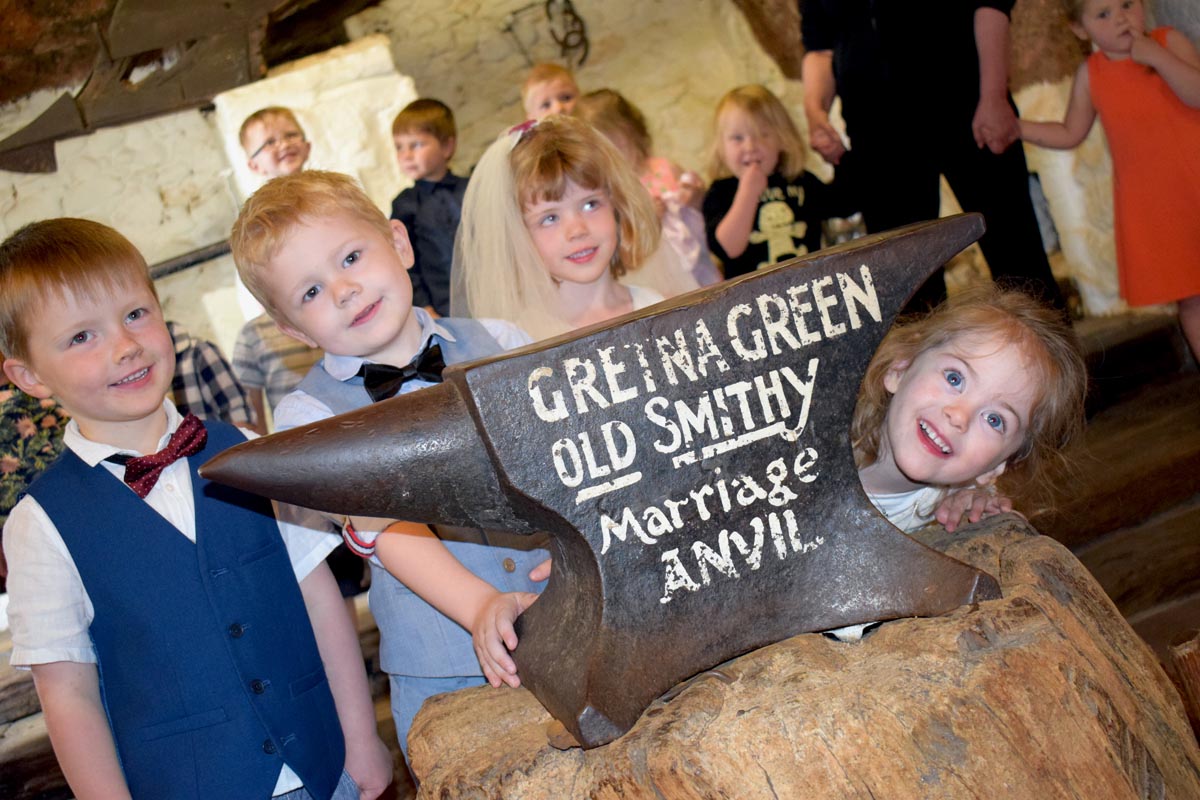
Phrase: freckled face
[108,360]
[958,413]
[576,235]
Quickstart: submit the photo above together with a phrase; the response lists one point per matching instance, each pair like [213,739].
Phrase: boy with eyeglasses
[274,142]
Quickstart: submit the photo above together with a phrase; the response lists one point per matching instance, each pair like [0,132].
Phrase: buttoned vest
[209,670]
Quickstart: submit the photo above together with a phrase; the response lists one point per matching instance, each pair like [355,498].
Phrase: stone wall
[172,184]
[673,60]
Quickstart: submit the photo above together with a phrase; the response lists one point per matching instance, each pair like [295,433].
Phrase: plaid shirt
[204,382]
[265,357]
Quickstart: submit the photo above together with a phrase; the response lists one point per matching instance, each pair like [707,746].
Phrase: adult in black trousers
[924,90]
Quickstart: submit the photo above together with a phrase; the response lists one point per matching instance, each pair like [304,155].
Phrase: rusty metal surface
[692,462]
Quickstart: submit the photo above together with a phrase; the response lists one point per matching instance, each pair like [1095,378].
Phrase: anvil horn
[381,460]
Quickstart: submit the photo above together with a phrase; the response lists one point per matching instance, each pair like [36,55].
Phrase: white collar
[92,453]
[343,368]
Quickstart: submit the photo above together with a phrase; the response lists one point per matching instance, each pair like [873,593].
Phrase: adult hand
[995,125]
[825,139]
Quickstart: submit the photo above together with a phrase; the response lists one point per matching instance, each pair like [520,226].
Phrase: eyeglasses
[287,138]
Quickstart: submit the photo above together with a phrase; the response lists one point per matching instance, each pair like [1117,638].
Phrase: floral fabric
[31,433]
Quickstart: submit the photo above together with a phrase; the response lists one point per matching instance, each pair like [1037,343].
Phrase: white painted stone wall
[345,99]
[172,184]
[673,60]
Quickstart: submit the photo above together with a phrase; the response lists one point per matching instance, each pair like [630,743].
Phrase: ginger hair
[262,115]
[543,73]
[45,261]
[1053,354]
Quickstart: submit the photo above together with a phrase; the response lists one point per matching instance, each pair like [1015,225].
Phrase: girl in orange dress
[1146,89]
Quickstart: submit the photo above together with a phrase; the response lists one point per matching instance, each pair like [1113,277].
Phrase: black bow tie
[383,380]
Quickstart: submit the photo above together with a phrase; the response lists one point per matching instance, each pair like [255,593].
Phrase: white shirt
[643,297]
[49,609]
[911,510]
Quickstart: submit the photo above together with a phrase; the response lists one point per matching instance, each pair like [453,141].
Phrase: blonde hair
[610,113]
[426,115]
[1044,337]
[766,109]
[544,73]
[268,218]
[261,116]
[45,261]
[497,270]
[560,149]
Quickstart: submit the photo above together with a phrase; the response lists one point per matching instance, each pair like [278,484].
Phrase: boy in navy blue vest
[166,620]
[331,270]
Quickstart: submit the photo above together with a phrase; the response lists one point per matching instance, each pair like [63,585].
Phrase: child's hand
[691,189]
[369,763]
[493,636]
[660,206]
[1145,50]
[541,572]
[976,504]
[753,180]
[994,125]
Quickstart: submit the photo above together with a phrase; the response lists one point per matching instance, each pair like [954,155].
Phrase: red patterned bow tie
[142,472]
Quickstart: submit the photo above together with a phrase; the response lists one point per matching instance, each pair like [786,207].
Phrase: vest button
[269,747]
[236,630]
[257,686]
[509,565]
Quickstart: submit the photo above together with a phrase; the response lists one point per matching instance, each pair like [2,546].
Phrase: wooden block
[1045,693]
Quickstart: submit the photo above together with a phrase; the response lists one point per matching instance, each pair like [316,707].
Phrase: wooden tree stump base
[1046,693]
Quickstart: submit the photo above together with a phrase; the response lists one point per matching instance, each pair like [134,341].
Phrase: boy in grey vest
[331,270]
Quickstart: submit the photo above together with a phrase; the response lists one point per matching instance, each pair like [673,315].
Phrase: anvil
[691,461]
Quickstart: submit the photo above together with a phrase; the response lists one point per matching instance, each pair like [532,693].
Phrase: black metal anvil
[692,462]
